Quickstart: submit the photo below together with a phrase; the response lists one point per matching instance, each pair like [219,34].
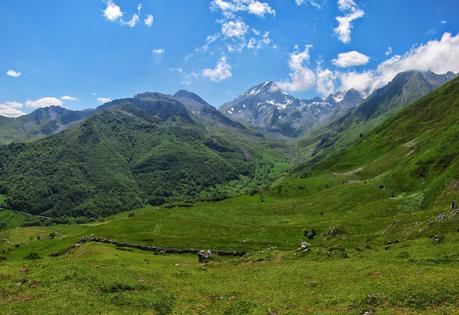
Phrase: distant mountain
[40,123]
[405,88]
[267,107]
[204,110]
[148,149]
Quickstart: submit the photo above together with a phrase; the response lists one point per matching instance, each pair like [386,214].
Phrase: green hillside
[382,104]
[131,153]
[378,219]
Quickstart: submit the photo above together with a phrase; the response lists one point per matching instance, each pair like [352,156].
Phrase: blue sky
[80,53]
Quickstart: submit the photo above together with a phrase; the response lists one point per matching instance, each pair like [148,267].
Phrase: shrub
[32,256]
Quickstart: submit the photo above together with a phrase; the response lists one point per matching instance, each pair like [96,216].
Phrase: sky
[80,54]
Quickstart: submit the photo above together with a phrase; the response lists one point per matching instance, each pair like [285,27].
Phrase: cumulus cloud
[13,73]
[112,12]
[235,34]
[318,4]
[259,41]
[325,82]
[230,7]
[351,13]
[69,98]
[158,52]
[133,21]
[222,71]
[301,76]
[439,56]
[349,59]
[102,100]
[11,109]
[360,81]
[44,102]
[260,8]
[388,51]
[149,20]
[234,28]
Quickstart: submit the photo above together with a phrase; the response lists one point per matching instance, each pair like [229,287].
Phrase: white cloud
[11,109]
[444,22]
[112,12]
[352,12]
[69,98]
[234,28]
[13,73]
[133,21]
[344,5]
[438,56]
[149,20]
[360,81]
[314,3]
[102,100]
[325,81]
[44,102]
[188,79]
[388,51]
[351,58]
[158,52]
[301,76]
[343,30]
[260,8]
[257,43]
[221,71]
[230,7]
[139,7]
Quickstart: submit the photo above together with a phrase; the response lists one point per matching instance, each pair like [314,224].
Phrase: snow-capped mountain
[267,106]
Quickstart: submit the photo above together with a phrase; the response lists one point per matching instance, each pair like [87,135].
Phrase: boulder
[437,238]
[335,232]
[205,255]
[304,247]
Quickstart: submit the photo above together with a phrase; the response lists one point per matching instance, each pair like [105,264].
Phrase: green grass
[393,266]
[388,194]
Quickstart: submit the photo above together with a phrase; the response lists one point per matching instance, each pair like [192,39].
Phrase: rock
[310,234]
[441,217]
[372,299]
[437,238]
[205,255]
[304,247]
[334,232]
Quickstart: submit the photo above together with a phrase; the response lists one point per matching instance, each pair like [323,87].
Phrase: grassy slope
[384,103]
[393,266]
[124,158]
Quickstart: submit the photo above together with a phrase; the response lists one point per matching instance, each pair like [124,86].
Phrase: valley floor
[380,258]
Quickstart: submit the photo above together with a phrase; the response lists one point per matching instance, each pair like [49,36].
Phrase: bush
[32,256]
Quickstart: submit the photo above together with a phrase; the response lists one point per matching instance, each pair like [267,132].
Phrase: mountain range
[383,103]
[148,149]
[267,107]
[155,148]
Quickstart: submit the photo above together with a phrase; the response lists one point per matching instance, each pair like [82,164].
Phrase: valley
[369,228]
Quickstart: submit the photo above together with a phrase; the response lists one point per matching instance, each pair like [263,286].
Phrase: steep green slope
[40,123]
[132,152]
[382,104]
[416,151]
